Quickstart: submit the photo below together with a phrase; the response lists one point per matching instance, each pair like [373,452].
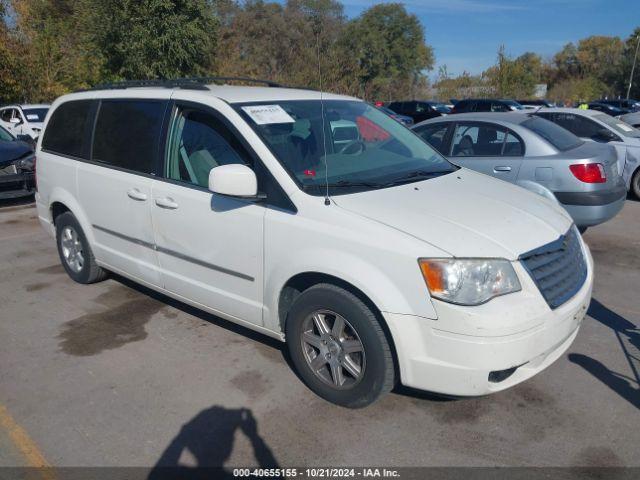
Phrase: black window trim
[491,124]
[286,205]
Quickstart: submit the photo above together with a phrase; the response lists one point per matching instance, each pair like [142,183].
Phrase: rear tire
[75,252]
[339,347]
[635,184]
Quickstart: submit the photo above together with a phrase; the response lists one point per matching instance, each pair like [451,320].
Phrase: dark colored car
[419,110]
[17,167]
[624,103]
[608,109]
[538,102]
[404,119]
[486,105]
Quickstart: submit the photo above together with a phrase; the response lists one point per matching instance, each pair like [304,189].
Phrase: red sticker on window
[310,173]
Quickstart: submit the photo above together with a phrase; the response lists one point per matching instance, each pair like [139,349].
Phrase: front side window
[197,143]
[485,140]
[6,114]
[67,132]
[353,145]
[561,138]
[127,134]
[435,135]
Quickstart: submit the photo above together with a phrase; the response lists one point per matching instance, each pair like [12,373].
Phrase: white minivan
[375,259]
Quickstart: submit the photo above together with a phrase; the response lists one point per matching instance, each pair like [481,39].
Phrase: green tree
[388,45]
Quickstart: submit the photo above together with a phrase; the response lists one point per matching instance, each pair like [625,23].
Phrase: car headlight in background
[468,281]
[26,163]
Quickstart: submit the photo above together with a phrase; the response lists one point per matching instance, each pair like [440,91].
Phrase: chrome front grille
[559,268]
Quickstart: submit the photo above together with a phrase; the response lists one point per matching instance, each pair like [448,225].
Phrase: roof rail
[193,83]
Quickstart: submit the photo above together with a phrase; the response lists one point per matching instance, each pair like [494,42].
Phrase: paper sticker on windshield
[266,114]
[32,117]
[625,127]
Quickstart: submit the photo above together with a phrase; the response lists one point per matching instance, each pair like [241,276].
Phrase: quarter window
[197,143]
[68,129]
[127,134]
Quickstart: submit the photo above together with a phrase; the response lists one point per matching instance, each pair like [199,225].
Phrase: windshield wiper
[412,176]
[343,184]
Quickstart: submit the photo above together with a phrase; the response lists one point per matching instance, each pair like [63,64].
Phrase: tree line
[51,47]
[594,67]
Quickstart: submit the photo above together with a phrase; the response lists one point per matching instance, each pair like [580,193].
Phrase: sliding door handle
[136,194]
[166,202]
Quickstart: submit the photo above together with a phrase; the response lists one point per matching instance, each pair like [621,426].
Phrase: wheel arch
[61,201]
[300,282]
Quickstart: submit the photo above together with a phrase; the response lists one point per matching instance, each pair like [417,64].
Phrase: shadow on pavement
[621,384]
[208,438]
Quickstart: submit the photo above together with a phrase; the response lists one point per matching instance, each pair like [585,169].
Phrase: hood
[12,151]
[465,213]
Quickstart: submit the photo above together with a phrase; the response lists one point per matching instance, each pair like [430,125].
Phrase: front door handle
[166,202]
[502,168]
[136,194]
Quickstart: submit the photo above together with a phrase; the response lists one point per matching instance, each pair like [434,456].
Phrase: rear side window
[68,129]
[557,136]
[127,134]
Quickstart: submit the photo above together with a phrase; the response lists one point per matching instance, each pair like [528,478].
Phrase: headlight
[468,281]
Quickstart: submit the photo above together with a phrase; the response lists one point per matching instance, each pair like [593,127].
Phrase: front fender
[405,293]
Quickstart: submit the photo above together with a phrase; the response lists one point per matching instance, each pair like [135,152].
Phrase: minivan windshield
[618,125]
[365,148]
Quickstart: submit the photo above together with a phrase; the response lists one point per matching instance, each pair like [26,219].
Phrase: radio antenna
[324,132]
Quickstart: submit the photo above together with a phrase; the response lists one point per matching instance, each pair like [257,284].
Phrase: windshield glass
[513,104]
[5,136]
[441,108]
[365,148]
[618,125]
[35,114]
[557,136]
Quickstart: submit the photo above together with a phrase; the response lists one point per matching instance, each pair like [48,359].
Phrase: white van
[376,260]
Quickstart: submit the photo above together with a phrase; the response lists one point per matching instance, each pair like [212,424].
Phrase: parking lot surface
[112,374]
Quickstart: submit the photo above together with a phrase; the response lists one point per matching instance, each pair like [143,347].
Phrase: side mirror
[234,180]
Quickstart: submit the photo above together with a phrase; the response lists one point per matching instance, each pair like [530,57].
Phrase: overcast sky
[466,34]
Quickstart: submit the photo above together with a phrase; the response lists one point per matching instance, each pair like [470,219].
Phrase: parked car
[608,109]
[536,103]
[598,127]
[377,261]
[23,119]
[16,167]
[623,103]
[418,110]
[404,119]
[536,154]
[485,105]
[632,119]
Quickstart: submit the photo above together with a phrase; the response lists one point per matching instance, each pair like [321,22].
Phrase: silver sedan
[536,154]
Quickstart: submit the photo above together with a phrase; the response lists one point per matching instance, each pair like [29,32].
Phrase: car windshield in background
[365,148]
[441,108]
[618,125]
[35,114]
[513,104]
[557,136]
[5,136]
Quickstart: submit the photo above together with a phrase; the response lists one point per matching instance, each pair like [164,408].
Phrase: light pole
[633,67]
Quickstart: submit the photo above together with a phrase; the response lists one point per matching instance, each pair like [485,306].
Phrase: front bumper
[16,185]
[457,353]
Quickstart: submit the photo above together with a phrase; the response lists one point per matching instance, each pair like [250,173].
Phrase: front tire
[75,252]
[635,184]
[339,347]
